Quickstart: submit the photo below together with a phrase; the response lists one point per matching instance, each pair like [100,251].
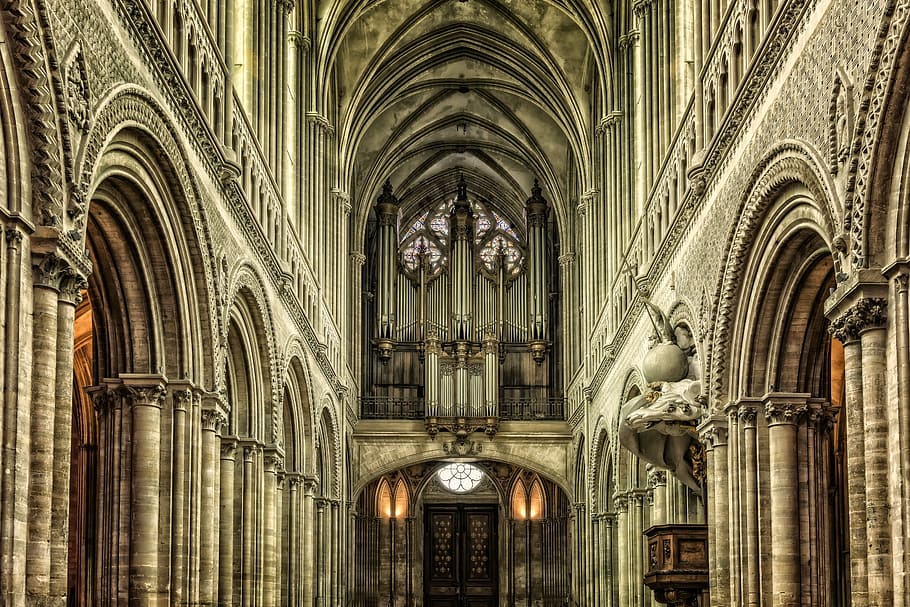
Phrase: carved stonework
[213,420]
[77,91]
[867,313]
[71,288]
[621,503]
[182,399]
[145,395]
[50,270]
[228,448]
[747,416]
[840,120]
[784,413]
[656,477]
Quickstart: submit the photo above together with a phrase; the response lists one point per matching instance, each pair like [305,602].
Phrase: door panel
[460,563]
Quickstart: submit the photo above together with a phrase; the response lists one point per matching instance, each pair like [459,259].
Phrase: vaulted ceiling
[497,90]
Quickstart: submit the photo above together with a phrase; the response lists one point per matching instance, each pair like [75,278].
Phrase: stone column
[226,524]
[47,276]
[14,498]
[212,423]
[657,483]
[871,313]
[308,554]
[626,548]
[70,296]
[335,543]
[146,395]
[321,549]
[714,433]
[178,566]
[900,276]
[248,569]
[269,573]
[785,558]
[293,543]
[861,329]
[747,418]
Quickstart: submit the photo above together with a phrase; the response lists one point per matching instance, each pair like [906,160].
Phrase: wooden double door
[461,547]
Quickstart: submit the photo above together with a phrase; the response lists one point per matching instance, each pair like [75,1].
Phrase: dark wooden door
[460,556]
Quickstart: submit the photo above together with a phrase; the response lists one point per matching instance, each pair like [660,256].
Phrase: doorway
[460,556]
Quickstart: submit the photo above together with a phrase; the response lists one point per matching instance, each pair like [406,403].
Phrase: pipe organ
[460,311]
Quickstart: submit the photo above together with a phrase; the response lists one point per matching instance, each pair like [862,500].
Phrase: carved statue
[659,425]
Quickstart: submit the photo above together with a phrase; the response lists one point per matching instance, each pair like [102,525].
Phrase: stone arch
[132,126]
[871,166]
[143,253]
[297,409]
[887,195]
[250,361]
[601,467]
[789,165]
[518,461]
[33,92]
[328,448]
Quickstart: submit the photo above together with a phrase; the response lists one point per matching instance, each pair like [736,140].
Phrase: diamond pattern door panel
[460,556]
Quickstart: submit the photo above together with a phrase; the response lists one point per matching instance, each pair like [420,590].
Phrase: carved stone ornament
[659,426]
[784,413]
[840,120]
[866,313]
[77,91]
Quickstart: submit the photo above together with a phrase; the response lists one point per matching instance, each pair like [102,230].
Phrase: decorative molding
[867,313]
[788,163]
[892,35]
[778,413]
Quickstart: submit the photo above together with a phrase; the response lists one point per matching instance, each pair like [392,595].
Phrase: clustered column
[861,328]
[783,418]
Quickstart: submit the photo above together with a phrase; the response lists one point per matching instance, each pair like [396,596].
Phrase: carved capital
[182,399]
[50,270]
[273,462]
[747,416]
[640,7]
[784,413]
[213,420]
[867,313]
[566,260]
[713,432]
[13,238]
[621,503]
[310,485]
[144,395]
[228,448]
[71,288]
[657,478]
[358,258]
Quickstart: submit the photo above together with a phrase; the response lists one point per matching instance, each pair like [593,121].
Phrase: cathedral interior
[455,303]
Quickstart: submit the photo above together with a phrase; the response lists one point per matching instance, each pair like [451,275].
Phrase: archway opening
[437,532]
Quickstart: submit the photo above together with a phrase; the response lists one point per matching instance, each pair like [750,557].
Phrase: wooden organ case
[463,310]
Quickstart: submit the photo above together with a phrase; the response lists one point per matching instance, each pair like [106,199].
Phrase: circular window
[460,478]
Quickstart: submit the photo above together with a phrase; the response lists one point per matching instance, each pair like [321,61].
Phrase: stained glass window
[428,238]
[459,477]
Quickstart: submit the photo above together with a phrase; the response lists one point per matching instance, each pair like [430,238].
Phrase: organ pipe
[536,209]
[387,212]
[491,375]
[431,390]
[462,227]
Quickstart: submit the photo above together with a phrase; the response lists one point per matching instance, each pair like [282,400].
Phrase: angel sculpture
[659,425]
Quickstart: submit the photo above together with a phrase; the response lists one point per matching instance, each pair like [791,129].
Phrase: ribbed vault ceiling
[497,90]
